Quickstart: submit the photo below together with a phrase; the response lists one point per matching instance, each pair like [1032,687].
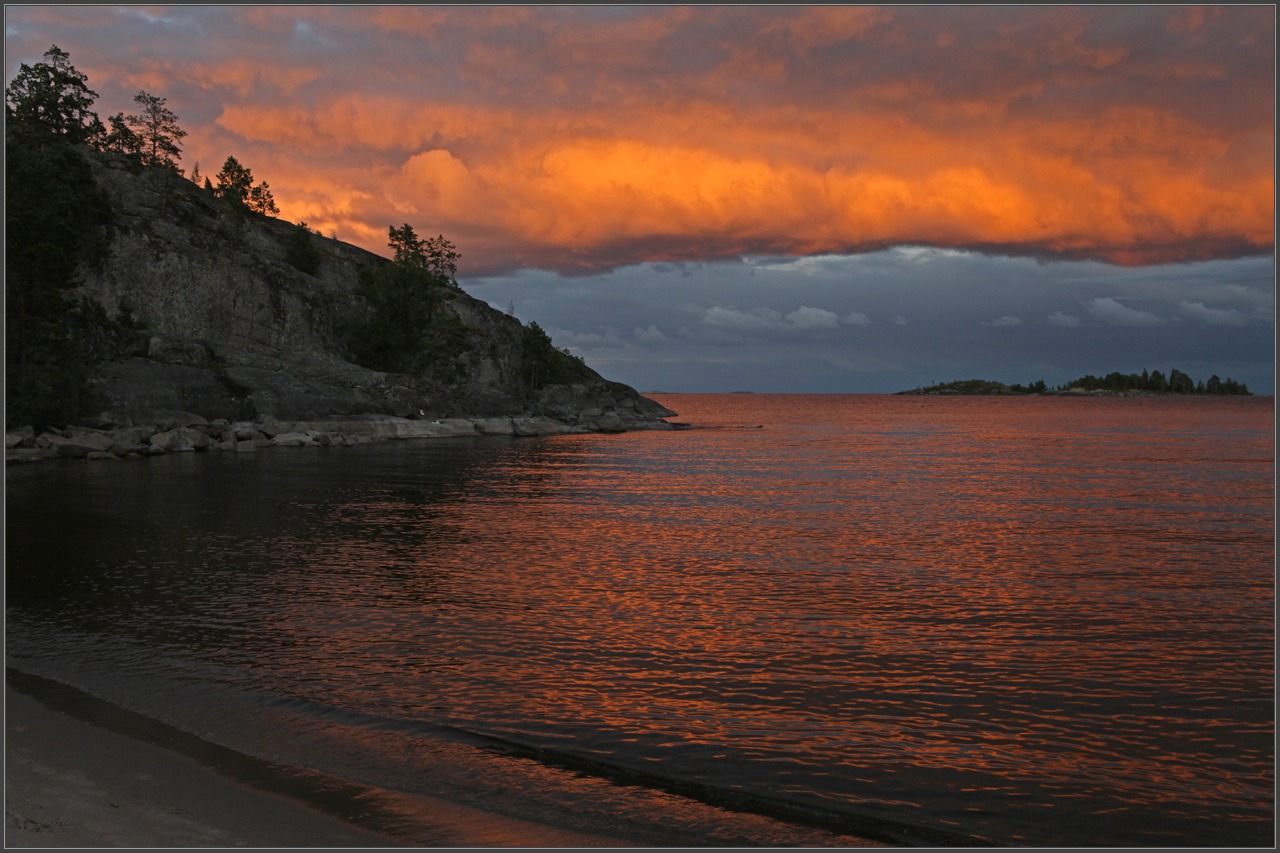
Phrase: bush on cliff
[300,251]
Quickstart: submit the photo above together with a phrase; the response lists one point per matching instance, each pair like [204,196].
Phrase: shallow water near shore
[1029,621]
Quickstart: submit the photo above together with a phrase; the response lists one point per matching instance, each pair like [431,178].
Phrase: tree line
[1156,382]
[58,222]
[53,99]
[1149,382]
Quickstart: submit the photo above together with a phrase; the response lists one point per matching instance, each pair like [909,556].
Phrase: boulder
[80,442]
[20,437]
[50,439]
[292,439]
[180,439]
[270,427]
[607,422]
[535,426]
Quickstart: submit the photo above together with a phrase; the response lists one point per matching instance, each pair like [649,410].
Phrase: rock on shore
[178,432]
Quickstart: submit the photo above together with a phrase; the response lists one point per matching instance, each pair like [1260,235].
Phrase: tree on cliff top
[120,138]
[436,255]
[236,186]
[55,96]
[157,128]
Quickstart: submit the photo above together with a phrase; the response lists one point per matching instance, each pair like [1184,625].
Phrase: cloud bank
[583,139]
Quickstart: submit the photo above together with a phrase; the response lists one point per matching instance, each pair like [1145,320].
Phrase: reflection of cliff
[224,325]
[287,529]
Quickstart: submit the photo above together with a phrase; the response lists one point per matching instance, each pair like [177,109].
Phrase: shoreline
[83,772]
[80,772]
[183,431]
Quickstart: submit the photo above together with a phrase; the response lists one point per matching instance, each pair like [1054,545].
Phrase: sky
[847,199]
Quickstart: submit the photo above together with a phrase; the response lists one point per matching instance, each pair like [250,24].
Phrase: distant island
[1145,383]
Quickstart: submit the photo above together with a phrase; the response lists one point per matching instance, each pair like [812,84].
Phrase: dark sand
[72,784]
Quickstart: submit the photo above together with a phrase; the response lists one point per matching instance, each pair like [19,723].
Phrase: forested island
[1153,382]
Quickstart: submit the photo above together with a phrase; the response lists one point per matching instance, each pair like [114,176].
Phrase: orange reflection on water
[1025,595]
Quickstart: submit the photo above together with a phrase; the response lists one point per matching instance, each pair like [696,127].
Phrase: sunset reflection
[778,609]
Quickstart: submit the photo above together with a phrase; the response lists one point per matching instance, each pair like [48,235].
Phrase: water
[1029,621]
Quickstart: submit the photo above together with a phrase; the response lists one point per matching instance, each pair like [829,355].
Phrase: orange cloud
[589,137]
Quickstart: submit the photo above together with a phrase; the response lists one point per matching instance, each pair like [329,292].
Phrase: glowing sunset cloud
[581,139]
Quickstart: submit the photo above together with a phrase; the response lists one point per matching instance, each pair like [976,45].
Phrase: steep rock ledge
[223,327]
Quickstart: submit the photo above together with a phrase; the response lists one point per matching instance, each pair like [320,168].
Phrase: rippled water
[1017,620]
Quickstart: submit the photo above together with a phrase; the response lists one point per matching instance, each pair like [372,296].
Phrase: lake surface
[1027,621]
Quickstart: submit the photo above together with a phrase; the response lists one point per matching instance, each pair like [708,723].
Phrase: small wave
[805,814]
[837,821]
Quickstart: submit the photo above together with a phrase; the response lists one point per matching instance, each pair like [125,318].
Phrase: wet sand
[72,784]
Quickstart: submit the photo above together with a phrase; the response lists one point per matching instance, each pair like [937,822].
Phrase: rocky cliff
[220,323]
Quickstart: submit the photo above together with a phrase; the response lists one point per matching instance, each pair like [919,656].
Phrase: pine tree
[55,96]
[234,183]
[261,201]
[121,138]
[435,254]
[158,128]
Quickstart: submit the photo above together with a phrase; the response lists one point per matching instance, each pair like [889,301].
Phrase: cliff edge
[213,315]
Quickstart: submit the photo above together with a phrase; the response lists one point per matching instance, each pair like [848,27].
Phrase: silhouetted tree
[55,96]
[261,200]
[234,183]
[236,186]
[157,127]
[1180,383]
[121,138]
[405,246]
[435,254]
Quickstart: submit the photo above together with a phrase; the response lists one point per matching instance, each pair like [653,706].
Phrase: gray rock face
[230,330]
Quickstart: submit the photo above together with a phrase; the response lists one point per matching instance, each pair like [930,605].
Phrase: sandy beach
[72,784]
